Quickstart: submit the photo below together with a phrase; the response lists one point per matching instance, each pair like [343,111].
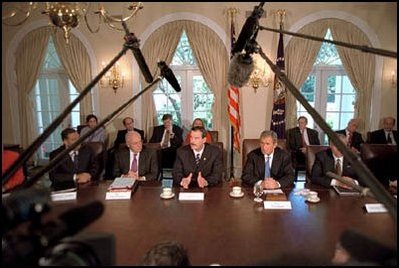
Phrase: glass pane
[184,54]
[336,105]
[347,86]
[345,117]
[348,103]
[328,54]
[332,119]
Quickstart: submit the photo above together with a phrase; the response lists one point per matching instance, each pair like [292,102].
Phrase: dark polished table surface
[231,231]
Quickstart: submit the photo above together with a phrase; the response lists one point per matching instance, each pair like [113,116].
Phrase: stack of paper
[122,184]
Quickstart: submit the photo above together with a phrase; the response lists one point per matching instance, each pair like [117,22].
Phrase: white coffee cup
[312,195]
[236,190]
[167,191]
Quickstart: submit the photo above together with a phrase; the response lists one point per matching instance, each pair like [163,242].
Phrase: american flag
[279,92]
[234,101]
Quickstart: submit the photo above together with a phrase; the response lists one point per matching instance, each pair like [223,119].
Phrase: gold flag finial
[281,13]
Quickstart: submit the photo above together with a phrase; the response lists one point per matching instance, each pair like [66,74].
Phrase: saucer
[237,196]
[167,196]
[313,200]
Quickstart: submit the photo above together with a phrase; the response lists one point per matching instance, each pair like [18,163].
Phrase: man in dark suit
[332,160]
[170,137]
[120,142]
[136,161]
[269,163]
[128,122]
[386,135]
[298,139]
[353,138]
[79,166]
[198,163]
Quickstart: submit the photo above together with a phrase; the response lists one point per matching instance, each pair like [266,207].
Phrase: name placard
[63,196]
[191,196]
[277,204]
[375,208]
[118,195]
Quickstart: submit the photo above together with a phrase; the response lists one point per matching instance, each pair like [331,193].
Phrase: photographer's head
[167,254]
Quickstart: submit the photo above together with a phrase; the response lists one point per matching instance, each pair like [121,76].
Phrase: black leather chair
[100,153]
[251,144]
[311,157]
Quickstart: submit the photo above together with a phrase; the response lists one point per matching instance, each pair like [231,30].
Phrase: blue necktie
[267,167]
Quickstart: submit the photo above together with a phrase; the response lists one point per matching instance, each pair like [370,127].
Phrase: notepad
[122,183]
[345,192]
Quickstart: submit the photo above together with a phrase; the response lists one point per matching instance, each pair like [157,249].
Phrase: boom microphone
[240,69]
[249,29]
[169,75]
[134,44]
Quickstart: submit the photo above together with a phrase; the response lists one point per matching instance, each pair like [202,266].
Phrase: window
[52,93]
[195,99]
[329,91]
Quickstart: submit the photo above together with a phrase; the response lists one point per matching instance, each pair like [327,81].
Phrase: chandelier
[260,76]
[114,78]
[66,15]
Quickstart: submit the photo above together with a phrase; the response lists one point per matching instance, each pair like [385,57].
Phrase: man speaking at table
[198,163]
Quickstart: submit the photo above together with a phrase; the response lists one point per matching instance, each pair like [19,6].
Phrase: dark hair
[166,116]
[167,254]
[66,132]
[124,119]
[303,117]
[198,128]
[90,116]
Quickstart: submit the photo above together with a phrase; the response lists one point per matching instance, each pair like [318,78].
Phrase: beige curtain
[29,59]
[358,65]
[300,55]
[212,60]
[161,45]
[76,62]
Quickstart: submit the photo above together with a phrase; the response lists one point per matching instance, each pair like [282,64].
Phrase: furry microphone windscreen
[240,69]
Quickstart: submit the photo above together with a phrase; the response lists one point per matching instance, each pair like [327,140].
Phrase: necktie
[349,139]
[389,139]
[267,167]
[134,163]
[303,138]
[338,169]
[74,157]
[166,140]
[197,159]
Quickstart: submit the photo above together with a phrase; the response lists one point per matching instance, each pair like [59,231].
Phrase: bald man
[386,135]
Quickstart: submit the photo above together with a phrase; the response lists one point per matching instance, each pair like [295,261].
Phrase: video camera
[28,240]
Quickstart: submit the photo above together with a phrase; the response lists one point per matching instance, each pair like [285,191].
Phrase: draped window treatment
[76,63]
[360,67]
[212,60]
[29,59]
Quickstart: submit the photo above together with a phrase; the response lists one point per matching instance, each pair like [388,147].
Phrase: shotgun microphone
[169,75]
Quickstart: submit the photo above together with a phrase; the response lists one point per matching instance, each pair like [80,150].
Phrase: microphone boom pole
[361,169]
[378,51]
[24,156]
[56,160]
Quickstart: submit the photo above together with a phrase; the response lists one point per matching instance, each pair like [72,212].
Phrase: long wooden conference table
[231,231]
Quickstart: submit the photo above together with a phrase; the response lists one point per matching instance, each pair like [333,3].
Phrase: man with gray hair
[353,138]
[386,135]
[269,163]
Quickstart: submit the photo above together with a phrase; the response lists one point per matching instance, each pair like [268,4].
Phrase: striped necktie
[197,159]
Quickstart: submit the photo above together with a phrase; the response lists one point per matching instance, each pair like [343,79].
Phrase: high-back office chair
[156,146]
[381,159]
[296,164]
[100,154]
[311,157]
[215,135]
[251,144]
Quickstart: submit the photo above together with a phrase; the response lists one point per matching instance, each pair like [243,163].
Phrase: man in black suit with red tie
[170,137]
[136,161]
[386,135]
[198,163]
[353,138]
[269,163]
[79,166]
[298,139]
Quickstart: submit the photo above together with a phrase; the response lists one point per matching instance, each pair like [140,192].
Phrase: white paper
[191,196]
[277,204]
[273,191]
[63,196]
[118,195]
[375,208]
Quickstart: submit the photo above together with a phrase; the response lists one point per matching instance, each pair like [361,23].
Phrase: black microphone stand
[367,49]
[361,169]
[61,155]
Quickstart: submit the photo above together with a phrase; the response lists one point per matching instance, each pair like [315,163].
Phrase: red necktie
[349,139]
[338,168]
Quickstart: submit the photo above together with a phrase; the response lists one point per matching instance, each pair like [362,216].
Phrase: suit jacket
[295,138]
[325,162]
[175,142]
[148,163]
[356,138]
[210,165]
[121,137]
[378,137]
[281,168]
[65,169]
